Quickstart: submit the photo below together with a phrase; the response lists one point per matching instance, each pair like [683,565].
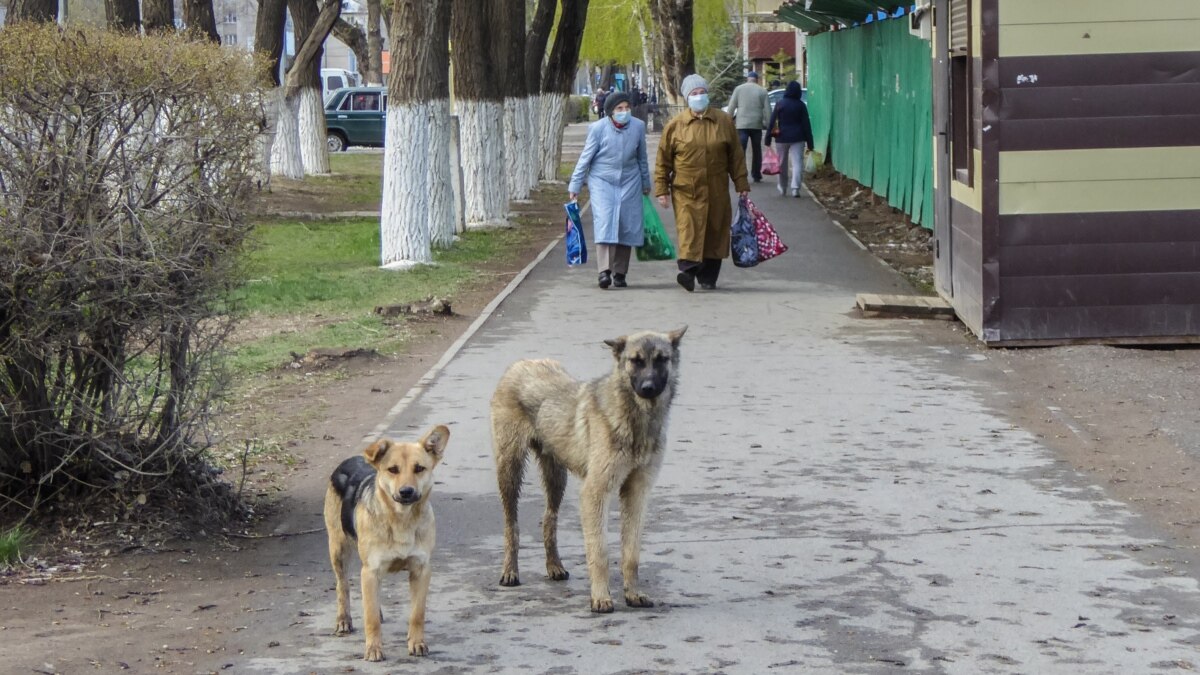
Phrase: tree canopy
[610,35]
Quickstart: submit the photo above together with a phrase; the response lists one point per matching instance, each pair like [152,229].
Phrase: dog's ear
[435,441]
[377,450]
[617,345]
[676,335]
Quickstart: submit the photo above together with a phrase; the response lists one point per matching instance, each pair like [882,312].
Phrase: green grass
[327,273]
[11,544]
[353,184]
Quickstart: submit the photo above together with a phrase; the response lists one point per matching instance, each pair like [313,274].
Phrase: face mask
[698,103]
[621,117]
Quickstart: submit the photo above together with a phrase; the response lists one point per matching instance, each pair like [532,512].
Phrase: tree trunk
[287,156]
[480,113]
[678,59]
[535,44]
[535,56]
[556,82]
[356,40]
[198,17]
[40,11]
[312,24]
[443,217]
[158,15]
[412,99]
[516,106]
[285,151]
[375,42]
[268,43]
[649,69]
[123,15]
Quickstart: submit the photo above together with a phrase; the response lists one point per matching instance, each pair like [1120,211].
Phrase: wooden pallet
[923,306]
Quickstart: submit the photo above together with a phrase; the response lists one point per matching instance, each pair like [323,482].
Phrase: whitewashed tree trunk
[285,153]
[551,136]
[442,218]
[313,150]
[494,149]
[406,188]
[456,174]
[533,167]
[526,115]
[484,184]
[267,138]
[514,150]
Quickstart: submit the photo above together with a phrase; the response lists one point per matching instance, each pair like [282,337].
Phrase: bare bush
[125,162]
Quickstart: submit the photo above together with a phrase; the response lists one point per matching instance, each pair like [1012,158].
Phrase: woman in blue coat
[795,132]
[615,167]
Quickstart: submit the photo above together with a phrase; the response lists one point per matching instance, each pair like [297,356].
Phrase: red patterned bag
[769,244]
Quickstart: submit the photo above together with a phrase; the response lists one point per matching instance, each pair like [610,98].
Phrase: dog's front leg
[593,508]
[371,614]
[418,590]
[634,495]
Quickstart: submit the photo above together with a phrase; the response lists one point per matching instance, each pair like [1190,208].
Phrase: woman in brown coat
[698,154]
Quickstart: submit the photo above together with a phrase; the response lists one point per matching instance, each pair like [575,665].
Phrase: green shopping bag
[657,245]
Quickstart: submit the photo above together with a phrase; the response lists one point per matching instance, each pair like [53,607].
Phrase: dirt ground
[1123,417]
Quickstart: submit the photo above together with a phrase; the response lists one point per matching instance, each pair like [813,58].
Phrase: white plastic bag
[810,161]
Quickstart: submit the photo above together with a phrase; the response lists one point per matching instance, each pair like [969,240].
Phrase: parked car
[355,116]
[774,95]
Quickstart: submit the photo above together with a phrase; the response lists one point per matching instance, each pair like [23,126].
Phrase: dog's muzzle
[408,495]
[648,389]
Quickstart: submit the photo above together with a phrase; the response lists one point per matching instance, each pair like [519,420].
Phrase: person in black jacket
[793,134]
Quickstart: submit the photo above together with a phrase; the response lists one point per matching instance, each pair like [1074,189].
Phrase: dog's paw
[373,653]
[417,648]
[638,600]
[509,579]
[343,627]
[604,606]
[557,572]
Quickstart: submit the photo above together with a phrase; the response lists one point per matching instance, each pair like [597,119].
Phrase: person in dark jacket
[793,135]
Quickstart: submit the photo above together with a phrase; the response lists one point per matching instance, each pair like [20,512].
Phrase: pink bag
[769,244]
[770,161]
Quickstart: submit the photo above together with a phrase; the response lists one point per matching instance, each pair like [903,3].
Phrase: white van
[333,79]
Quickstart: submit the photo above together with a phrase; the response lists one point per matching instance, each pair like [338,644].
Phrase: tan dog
[610,432]
[381,501]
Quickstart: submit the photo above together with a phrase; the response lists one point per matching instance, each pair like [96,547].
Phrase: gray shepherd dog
[609,432]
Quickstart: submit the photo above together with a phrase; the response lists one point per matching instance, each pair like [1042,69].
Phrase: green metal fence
[871,106]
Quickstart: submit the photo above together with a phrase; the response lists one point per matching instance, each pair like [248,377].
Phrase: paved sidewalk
[839,495]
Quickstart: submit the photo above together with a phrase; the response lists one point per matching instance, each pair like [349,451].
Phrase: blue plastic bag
[743,243]
[576,244]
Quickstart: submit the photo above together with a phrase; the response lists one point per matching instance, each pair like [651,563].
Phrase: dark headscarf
[614,99]
[794,90]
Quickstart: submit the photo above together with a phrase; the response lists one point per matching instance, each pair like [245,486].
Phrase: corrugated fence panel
[871,106]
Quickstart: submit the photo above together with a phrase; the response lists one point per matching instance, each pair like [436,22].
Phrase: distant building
[236,20]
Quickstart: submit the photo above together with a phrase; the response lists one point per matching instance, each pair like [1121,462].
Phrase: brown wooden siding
[967,241]
[1106,275]
[1099,101]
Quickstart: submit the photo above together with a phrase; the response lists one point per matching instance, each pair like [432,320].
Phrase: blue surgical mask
[621,117]
[698,103]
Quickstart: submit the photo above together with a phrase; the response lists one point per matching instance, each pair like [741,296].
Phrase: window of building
[962,85]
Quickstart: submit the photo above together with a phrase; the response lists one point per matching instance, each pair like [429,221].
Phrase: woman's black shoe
[688,281]
[619,280]
[605,279]
[707,285]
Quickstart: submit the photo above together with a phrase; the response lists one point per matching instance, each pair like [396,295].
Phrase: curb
[432,374]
